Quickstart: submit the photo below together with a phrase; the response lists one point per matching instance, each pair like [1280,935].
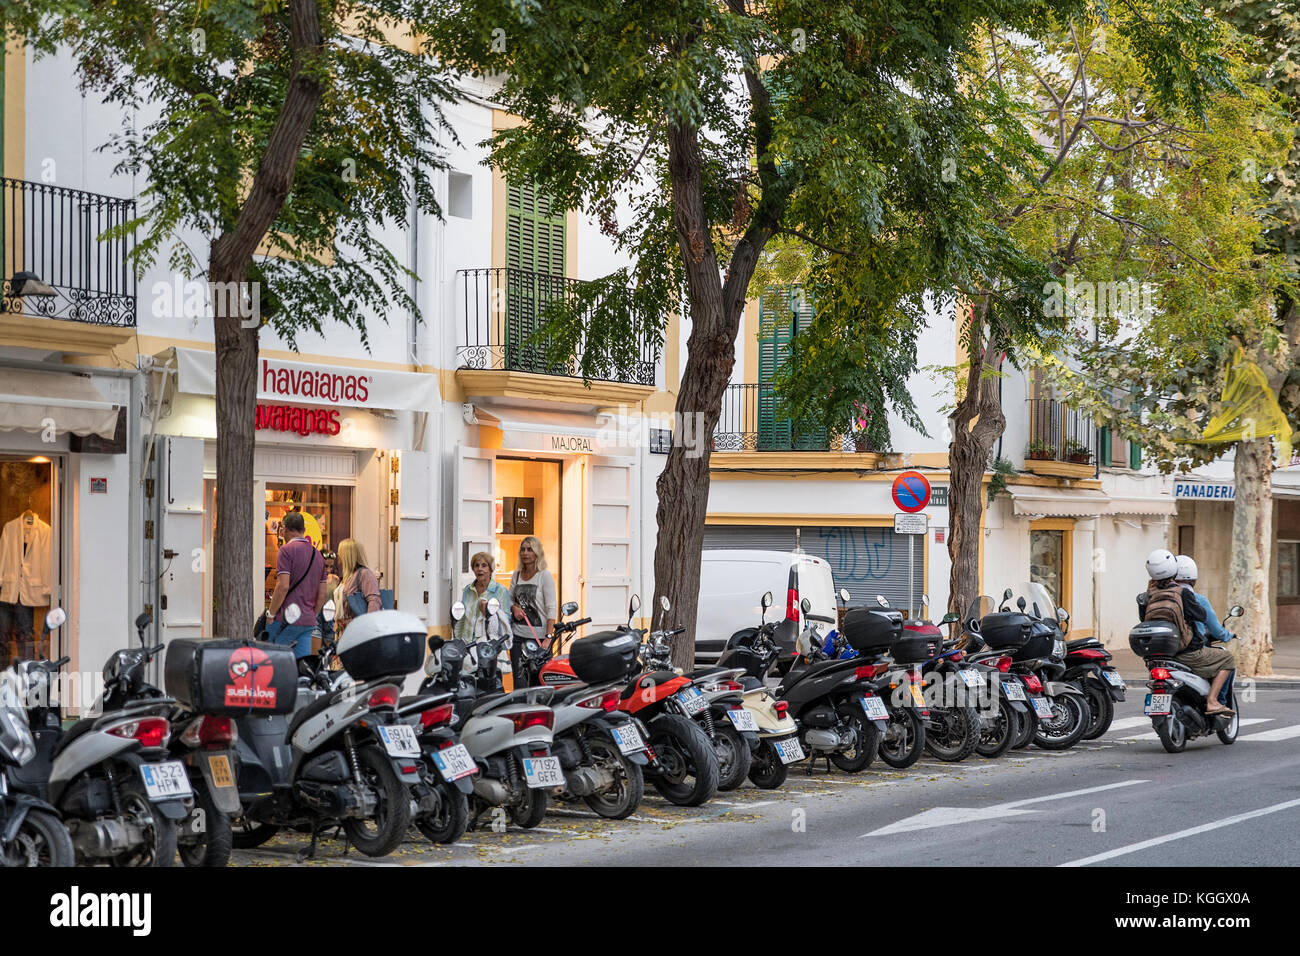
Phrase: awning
[305,383]
[1035,502]
[34,401]
[558,432]
[1159,505]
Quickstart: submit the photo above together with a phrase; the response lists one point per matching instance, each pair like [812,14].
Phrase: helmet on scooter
[1161,564]
[1187,570]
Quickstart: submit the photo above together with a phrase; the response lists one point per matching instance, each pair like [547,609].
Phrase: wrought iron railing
[1060,433]
[504,309]
[56,235]
[752,420]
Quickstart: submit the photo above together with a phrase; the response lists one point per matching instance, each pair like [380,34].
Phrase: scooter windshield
[1038,603]
[980,606]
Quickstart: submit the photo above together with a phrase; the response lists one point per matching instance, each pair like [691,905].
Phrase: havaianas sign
[1204,491]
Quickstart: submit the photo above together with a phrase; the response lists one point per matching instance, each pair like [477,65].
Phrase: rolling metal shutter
[866,561]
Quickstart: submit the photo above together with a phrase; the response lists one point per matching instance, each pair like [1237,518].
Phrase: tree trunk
[236,529]
[976,423]
[1252,553]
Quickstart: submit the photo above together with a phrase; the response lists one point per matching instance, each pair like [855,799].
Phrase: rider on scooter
[1166,599]
[1212,629]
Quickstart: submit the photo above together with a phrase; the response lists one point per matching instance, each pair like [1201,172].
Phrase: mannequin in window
[26,559]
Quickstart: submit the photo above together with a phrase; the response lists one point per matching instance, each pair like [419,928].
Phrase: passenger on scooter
[1210,629]
[1167,600]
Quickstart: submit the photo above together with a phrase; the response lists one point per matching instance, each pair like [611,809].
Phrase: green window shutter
[535,246]
[1134,455]
[781,313]
[1105,450]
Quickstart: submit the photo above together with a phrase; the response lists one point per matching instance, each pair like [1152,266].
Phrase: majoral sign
[1204,490]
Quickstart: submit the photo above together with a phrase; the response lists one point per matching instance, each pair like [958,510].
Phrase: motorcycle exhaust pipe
[491,791]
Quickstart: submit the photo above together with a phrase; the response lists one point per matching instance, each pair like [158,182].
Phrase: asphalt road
[1118,801]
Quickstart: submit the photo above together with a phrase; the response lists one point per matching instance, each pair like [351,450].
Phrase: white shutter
[609,494]
[476,512]
[180,532]
[413,533]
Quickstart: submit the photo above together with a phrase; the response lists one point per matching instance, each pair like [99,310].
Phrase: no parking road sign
[911,491]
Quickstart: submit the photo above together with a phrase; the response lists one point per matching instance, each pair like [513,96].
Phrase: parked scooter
[31,831]
[1176,704]
[953,724]
[441,798]
[1008,716]
[509,736]
[343,756]
[1087,664]
[108,775]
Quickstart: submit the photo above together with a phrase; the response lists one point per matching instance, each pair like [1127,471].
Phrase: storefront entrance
[529,502]
[29,555]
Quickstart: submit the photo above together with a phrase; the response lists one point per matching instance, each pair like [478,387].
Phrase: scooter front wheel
[1228,734]
[41,840]
[1101,709]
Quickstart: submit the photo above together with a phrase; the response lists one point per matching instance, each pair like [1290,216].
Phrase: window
[460,195]
[1288,569]
[781,313]
[1048,562]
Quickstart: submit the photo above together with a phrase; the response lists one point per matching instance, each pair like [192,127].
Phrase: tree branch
[786,230]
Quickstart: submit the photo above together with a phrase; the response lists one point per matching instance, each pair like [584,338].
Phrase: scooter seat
[79,729]
[751,683]
[1081,643]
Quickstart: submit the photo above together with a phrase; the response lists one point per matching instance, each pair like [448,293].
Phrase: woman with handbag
[534,603]
[358,590]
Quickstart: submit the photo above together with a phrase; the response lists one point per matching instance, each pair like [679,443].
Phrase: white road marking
[1181,834]
[948,816]
[1277,733]
[1124,723]
[1243,722]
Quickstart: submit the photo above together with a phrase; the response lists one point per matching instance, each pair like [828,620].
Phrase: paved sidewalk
[1286,663]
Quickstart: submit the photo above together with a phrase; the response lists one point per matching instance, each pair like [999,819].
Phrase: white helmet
[1161,564]
[1186,569]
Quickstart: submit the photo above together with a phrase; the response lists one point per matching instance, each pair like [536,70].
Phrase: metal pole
[911,557]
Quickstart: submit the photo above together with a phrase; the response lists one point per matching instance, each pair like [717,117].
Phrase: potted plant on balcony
[1078,452]
[1041,450]
[862,419]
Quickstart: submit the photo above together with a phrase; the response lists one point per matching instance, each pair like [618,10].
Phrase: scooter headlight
[16,743]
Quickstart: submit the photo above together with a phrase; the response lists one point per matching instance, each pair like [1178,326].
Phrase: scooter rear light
[879,669]
[1032,683]
[608,702]
[781,707]
[385,696]
[1160,673]
[410,768]
[217,730]
[539,753]
[957,656]
[1003,664]
[724,685]
[149,731]
[533,718]
[436,715]
[1092,655]
[864,672]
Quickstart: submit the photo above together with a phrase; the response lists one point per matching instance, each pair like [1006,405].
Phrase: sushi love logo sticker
[251,670]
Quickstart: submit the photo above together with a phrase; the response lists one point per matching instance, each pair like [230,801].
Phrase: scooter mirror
[1062,615]
[1006,595]
[925,601]
[880,599]
[458,610]
[767,600]
[1021,604]
[844,595]
[493,606]
[949,618]
[805,605]
[633,605]
[1235,611]
[435,642]
[57,617]
[141,622]
[664,603]
[327,611]
[292,613]
[569,608]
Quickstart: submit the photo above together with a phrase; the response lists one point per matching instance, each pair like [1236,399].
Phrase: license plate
[1113,678]
[1042,707]
[692,701]
[1013,690]
[399,740]
[875,708]
[454,762]
[972,678]
[743,719]
[1158,704]
[788,749]
[543,772]
[163,781]
[628,739]
[219,764]
[917,697]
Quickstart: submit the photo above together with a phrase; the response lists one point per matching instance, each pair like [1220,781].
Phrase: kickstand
[310,852]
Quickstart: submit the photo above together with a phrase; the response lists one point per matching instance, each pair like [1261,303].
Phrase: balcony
[502,352]
[751,432]
[55,234]
[1062,442]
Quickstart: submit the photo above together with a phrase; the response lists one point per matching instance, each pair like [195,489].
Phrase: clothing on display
[26,553]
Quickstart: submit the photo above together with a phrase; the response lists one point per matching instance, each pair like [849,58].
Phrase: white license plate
[972,678]
[743,720]
[692,701]
[788,749]
[399,740]
[454,762]
[628,738]
[543,772]
[1042,707]
[1013,690]
[1113,679]
[1158,704]
[875,708]
[163,781]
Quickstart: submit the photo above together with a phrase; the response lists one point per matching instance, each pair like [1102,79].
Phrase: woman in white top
[532,593]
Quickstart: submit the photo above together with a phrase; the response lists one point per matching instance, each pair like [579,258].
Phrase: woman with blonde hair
[475,597]
[532,592]
[357,584]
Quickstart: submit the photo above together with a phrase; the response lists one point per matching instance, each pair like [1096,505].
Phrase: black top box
[1005,630]
[872,629]
[603,657]
[1042,635]
[229,678]
[1155,639]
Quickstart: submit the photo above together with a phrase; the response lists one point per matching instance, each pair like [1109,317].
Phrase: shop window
[327,514]
[528,503]
[28,557]
[1288,569]
[1047,557]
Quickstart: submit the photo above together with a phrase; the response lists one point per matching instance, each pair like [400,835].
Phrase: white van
[731,591]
